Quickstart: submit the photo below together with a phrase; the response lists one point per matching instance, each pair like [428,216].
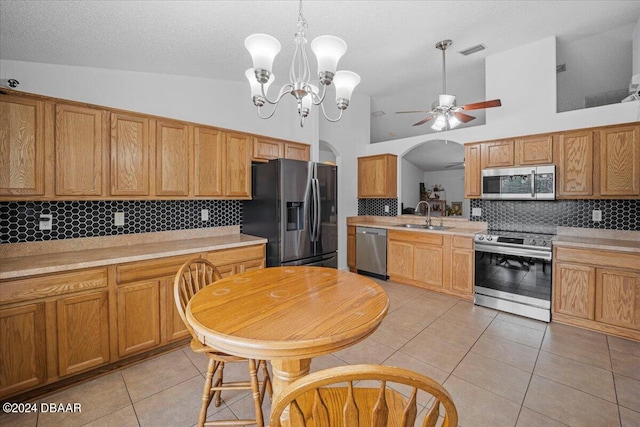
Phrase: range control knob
[533,242]
[489,238]
[481,237]
[544,243]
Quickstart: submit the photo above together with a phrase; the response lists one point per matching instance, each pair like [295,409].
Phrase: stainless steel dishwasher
[371,251]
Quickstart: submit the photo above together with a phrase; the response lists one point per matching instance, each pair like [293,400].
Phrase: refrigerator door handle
[312,211]
[318,209]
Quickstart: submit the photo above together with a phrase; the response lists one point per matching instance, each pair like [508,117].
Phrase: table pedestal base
[284,373]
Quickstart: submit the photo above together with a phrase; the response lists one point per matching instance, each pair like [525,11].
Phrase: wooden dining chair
[332,398]
[193,276]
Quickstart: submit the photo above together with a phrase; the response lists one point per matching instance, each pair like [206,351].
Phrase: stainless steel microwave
[521,183]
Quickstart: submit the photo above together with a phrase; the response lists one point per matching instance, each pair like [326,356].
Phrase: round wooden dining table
[287,315]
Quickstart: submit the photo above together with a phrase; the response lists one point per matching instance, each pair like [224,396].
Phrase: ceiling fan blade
[464,118]
[452,165]
[423,121]
[416,111]
[481,105]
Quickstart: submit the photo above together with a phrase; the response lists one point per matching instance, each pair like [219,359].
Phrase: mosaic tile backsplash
[19,220]
[546,216]
[376,207]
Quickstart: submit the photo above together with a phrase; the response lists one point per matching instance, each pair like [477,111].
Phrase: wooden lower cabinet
[438,262]
[138,317]
[23,359]
[55,326]
[351,248]
[598,290]
[83,332]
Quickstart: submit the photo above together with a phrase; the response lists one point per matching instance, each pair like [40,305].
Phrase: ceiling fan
[454,164]
[445,111]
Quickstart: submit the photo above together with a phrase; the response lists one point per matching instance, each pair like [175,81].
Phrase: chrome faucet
[428,210]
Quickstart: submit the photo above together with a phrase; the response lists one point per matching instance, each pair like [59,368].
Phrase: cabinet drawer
[155,268]
[600,258]
[228,256]
[52,284]
[462,242]
[416,237]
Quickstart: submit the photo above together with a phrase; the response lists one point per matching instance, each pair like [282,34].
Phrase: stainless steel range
[513,272]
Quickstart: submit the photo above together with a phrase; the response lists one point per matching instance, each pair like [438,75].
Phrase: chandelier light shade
[328,51]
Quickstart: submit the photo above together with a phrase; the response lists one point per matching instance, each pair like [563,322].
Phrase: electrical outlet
[204,214]
[386,208]
[596,215]
[118,219]
[476,212]
[46,222]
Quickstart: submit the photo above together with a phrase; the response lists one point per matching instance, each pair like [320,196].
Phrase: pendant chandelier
[328,50]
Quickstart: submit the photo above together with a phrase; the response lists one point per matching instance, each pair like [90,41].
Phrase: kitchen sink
[425,227]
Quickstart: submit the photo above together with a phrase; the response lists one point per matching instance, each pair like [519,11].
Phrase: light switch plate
[386,208]
[596,215]
[46,222]
[204,214]
[118,219]
[476,212]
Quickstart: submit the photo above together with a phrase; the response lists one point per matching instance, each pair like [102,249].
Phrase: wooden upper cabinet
[173,156]
[209,161]
[293,150]
[238,148]
[574,155]
[265,149]
[620,161]
[21,146]
[377,176]
[534,150]
[498,154]
[80,150]
[472,171]
[129,155]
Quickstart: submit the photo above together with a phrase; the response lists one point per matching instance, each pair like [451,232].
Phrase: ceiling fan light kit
[445,111]
[328,51]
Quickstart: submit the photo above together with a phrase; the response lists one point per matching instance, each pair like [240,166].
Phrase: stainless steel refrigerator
[294,206]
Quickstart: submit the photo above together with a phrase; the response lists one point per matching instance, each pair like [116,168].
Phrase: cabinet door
[574,290]
[296,151]
[620,161]
[23,356]
[535,150]
[176,329]
[618,298]
[129,155]
[208,162]
[428,265]
[267,149]
[238,165]
[575,164]
[462,270]
[21,146]
[227,269]
[251,265]
[400,259]
[351,248]
[498,154]
[138,309]
[79,150]
[172,159]
[377,176]
[472,171]
[83,332]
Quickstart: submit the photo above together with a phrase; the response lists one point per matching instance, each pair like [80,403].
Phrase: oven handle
[533,183]
[506,250]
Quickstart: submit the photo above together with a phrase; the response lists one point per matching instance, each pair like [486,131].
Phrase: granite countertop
[588,238]
[21,260]
[458,226]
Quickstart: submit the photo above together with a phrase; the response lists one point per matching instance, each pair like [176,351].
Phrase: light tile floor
[502,370]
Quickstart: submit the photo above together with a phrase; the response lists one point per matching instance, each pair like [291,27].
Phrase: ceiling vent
[561,68]
[472,50]
[378,113]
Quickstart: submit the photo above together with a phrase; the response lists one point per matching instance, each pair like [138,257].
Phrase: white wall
[349,138]
[525,80]
[411,177]
[218,103]
[453,183]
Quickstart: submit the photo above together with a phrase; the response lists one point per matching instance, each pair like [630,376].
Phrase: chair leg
[218,383]
[266,382]
[255,390]
[206,392]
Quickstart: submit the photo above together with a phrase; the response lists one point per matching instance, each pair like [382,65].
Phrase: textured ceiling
[391,43]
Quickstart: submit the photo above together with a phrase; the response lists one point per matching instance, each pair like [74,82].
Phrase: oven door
[513,279]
